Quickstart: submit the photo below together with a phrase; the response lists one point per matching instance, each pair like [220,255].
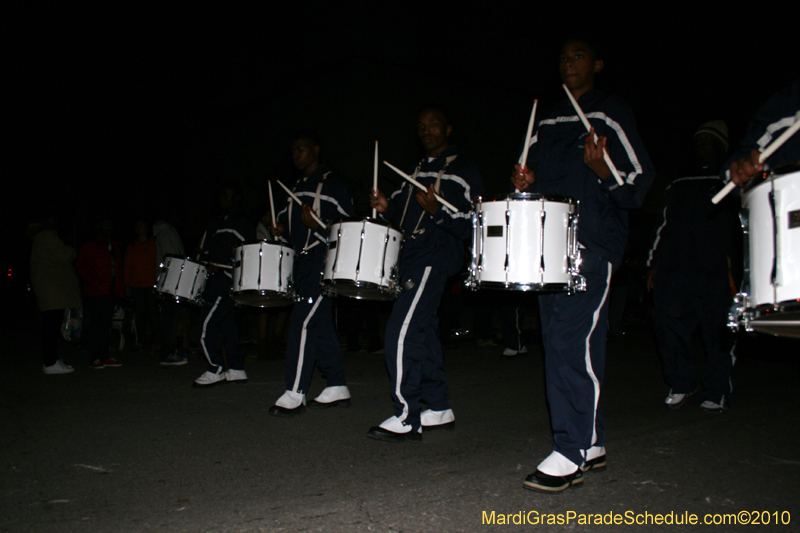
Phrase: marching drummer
[433,250]
[564,160]
[689,274]
[219,320]
[311,336]
[779,114]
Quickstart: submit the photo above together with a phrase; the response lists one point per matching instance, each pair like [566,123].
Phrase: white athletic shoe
[236,376]
[59,367]
[595,459]
[332,397]
[209,379]
[713,407]
[557,465]
[673,401]
[291,400]
[509,352]
[438,419]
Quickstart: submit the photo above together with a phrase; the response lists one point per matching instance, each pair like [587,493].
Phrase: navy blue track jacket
[694,235]
[335,203]
[233,231]
[439,238]
[556,158]
[773,118]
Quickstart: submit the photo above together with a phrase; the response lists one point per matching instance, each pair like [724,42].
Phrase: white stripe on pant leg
[401,340]
[589,370]
[302,354]
[203,333]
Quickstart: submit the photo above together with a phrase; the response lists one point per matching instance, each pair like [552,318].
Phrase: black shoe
[598,464]
[541,482]
[283,412]
[314,404]
[378,433]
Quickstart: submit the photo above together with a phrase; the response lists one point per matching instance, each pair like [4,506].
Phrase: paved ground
[137,449]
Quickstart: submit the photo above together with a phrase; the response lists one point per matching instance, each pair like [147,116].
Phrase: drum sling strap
[435,187]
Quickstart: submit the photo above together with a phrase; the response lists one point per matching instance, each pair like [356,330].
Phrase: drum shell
[262,274]
[181,278]
[774,241]
[362,259]
[524,242]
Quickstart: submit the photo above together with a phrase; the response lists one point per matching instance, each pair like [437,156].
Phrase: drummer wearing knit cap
[693,247]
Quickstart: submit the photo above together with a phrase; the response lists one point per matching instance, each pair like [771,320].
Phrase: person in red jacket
[99,267]
[140,277]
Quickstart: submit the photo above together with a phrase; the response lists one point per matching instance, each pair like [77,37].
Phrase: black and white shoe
[338,396]
[289,405]
[555,474]
[438,419]
[545,483]
[393,430]
[595,459]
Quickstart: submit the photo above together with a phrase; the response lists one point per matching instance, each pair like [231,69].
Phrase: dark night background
[126,108]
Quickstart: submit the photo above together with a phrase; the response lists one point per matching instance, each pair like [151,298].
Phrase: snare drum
[181,278]
[769,301]
[525,242]
[262,274]
[362,260]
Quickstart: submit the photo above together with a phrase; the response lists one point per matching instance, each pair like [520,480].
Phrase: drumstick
[296,199]
[444,202]
[524,159]
[220,265]
[588,126]
[271,203]
[375,178]
[202,242]
[777,143]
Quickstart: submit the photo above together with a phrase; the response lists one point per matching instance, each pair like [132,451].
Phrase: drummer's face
[304,154]
[433,131]
[577,67]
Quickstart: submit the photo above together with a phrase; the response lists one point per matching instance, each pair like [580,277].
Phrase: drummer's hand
[307,219]
[428,200]
[522,177]
[593,155]
[651,279]
[276,229]
[746,168]
[378,201]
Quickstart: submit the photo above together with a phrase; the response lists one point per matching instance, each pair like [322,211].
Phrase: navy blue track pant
[218,329]
[413,351]
[684,302]
[312,339]
[574,334]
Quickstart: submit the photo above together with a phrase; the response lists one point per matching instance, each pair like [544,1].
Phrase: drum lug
[737,315]
[577,284]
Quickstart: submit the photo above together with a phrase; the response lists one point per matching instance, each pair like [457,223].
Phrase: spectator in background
[99,267]
[140,276]
[56,287]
